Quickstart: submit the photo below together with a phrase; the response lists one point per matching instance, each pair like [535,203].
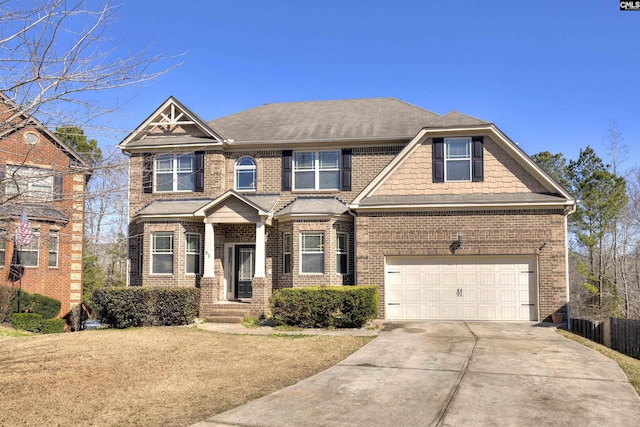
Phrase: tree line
[604,239]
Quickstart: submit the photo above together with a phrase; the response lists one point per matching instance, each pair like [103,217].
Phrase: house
[45,179]
[444,213]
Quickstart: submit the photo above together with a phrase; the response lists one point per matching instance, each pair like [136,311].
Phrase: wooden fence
[621,335]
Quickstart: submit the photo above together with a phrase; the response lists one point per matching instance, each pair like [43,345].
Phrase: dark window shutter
[477,143]
[346,169]
[438,159]
[199,178]
[57,187]
[286,169]
[147,173]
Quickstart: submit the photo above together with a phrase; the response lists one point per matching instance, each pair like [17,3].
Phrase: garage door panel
[468,288]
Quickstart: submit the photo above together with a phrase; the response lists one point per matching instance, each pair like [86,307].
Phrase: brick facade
[63,281]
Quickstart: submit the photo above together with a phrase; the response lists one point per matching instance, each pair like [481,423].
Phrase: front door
[245,258]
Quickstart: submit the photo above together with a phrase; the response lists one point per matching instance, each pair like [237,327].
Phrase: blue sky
[551,74]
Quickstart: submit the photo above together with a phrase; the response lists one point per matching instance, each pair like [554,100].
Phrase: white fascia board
[319,217]
[225,196]
[466,206]
[143,218]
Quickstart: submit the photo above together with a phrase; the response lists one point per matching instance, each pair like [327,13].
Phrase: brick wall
[485,233]
[64,281]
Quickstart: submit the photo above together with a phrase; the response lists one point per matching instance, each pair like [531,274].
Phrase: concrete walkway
[454,374]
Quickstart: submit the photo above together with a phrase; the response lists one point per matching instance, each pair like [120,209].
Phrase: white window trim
[290,252]
[253,168]
[305,233]
[153,253]
[470,159]
[3,247]
[36,242]
[345,252]
[316,169]
[174,172]
[187,253]
[140,256]
[55,233]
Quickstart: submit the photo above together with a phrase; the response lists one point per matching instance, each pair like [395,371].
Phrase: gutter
[566,263]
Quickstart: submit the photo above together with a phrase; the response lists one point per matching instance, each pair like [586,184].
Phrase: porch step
[224,319]
[227,314]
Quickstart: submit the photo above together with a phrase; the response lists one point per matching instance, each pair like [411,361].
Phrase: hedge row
[126,307]
[36,323]
[326,307]
[43,305]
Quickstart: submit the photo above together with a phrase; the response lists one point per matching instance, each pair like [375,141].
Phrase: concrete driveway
[454,374]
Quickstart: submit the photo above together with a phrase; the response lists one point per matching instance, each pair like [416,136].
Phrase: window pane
[313,263]
[247,162]
[164,182]
[341,262]
[329,159]
[162,243]
[164,163]
[330,180]
[286,242]
[246,179]
[163,264]
[28,258]
[312,242]
[186,181]
[304,160]
[305,180]
[458,149]
[458,170]
[53,259]
[287,264]
[185,163]
[193,243]
[193,264]
[342,242]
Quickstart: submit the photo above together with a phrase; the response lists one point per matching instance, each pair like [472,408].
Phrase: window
[34,183]
[342,253]
[246,174]
[3,246]
[28,255]
[193,253]
[312,253]
[53,248]
[175,172]
[316,170]
[458,159]
[162,253]
[286,253]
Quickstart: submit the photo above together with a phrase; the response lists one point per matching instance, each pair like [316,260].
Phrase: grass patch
[629,365]
[7,332]
[152,376]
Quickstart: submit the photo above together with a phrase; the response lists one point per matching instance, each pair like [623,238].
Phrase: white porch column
[260,249]
[209,244]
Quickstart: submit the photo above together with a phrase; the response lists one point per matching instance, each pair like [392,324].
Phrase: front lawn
[151,376]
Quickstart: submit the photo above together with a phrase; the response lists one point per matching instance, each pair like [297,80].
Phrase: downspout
[566,263]
[128,275]
[355,257]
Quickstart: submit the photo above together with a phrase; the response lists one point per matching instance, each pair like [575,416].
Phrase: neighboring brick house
[42,177]
[445,214]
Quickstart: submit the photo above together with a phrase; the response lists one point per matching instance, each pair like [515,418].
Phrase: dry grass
[151,376]
[629,365]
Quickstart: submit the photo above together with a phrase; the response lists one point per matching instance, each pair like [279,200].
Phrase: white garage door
[461,288]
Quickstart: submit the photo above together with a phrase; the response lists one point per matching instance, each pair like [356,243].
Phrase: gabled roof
[31,121]
[313,121]
[262,203]
[454,118]
[368,198]
[158,129]
[172,208]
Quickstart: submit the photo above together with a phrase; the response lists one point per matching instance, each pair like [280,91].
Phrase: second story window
[175,172]
[54,245]
[316,170]
[29,182]
[457,159]
[246,174]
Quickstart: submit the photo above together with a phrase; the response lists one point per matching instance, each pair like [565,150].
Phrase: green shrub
[48,307]
[126,307]
[26,321]
[338,307]
[25,302]
[34,322]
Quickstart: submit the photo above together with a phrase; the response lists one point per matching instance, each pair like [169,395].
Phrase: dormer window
[246,177]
